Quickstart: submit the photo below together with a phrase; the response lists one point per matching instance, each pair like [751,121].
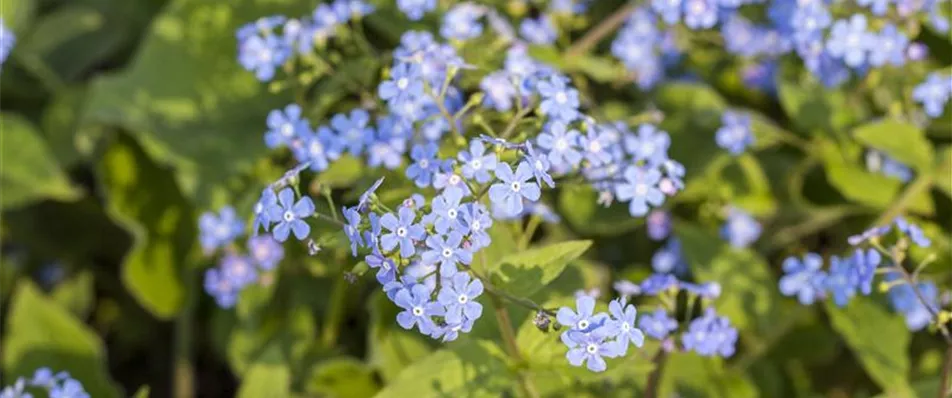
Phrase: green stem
[605,28]
[654,378]
[512,348]
[183,368]
[920,185]
[534,222]
[335,313]
[511,127]
[330,202]
[325,217]
[944,378]
[42,72]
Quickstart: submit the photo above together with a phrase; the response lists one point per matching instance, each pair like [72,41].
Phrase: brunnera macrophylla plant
[471,172]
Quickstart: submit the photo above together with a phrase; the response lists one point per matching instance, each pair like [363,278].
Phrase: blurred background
[124,120]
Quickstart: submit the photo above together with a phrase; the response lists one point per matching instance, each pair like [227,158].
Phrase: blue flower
[657,324]
[476,221]
[372,234]
[583,319]
[624,317]
[289,215]
[446,211]
[389,144]
[266,251]
[878,7]
[318,150]
[511,188]
[500,91]
[404,87]
[933,93]
[69,389]
[448,252]
[364,200]
[462,22]
[841,283]
[658,224]
[735,134]
[425,164]
[220,288]
[589,348]
[538,30]
[700,14]
[864,268]
[710,335]
[809,20]
[803,278]
[561,144]
[476,163]
[905,301]
[708,290]
[352,228]
[262,55]
[450,331]
[239,270]
[7,41]
[658,283]
[741,228]
[414,9]
[626,288]
[459,298]
[540,166]
[595,146]
[641,188]
[889,47]
[559,100]
[284,127]
[386,268]
[353,131]
[450,182]
[650,145]
[913,232]
[215,232]
[669,10]
[403,231]
[418,309]
[868,234]
[669,259]
[850,41]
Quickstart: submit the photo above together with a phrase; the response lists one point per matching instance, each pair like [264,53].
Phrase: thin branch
[605,28]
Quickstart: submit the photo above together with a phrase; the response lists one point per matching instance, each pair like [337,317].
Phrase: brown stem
[606,27]
[654,378]
[944,378]
[509,338]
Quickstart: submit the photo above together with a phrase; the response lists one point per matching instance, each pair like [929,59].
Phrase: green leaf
[688,375]
[391,349]
[18,14]
[30,171]
[269,376]
[600,69]
[142,392]
[342,173]
[879,339]
[342,378]
[900,140]
[469,368]
[944,178]
[812,107]
[76,293]
[41,333]
[144,198]
[525,272]
[187,98]
[578,206]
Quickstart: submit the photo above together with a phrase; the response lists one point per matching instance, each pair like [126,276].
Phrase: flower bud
[542,321]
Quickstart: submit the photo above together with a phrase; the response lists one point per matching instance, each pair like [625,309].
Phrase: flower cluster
[56,385]
[236,271]
[854,274]
[7,41]
[590,336]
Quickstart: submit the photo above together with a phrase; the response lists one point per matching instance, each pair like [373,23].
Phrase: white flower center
[447,252]
[424,163]
[515,186]
[625,326]
[538,165]
[476,164]
[259,208]
[417,311]
[595,146]
[288,216]
[316,148]
[477,225]
[561,144]
[451,213]
[287,130]
[463,299]
[583,324]
[561,98]
[454,179]
[402,83]
[647,148]
[641,189]
[591,348]
[401,232]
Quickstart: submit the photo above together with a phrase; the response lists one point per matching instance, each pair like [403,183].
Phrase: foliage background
[123,120]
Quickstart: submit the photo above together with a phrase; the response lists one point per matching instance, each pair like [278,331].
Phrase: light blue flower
[446,211]
[934,93]
[640,189]
[561,144]
[459,298]
[418,310]
[448,252]
[803,278]
[851,41]
[841,282]
[477,164]
[624,317]
[415,9]
[559,100]
[386,267]
[735,134]
[476,221]
[352,228]
[657,324]
[583,319]
[290,215]
[425,165]
[538,30]
[219,230]
[889,47]
[710,335]
[462,22]
[589,348]
[741,228]
[265,251]
[540,166]
[403,232]
[513,187]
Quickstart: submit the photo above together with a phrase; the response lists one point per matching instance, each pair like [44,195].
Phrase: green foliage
[40,332]
[469,368]
[30,173]
[901,141]
[526,272]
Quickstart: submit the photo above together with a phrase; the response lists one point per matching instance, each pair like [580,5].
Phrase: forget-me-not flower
[513,187]
[403,231]
[418,309]
[448,252]
[641,189]
[803,278]
[459,298]
[289,215]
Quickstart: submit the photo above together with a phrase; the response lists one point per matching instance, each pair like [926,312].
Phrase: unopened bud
[350,277]
[312,247]
[542,321]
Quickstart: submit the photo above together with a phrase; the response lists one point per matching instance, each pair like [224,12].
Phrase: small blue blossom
[70,388]
[404,87]
[595,147]
[657,324]
[561,144]
[372,234]
[669,259]
[448,252]
[641,189]
[222,289]
[386,267]
[624,318]
[864,268]
[261,220]
[851,41]
[290,215]
[735,134]
[741,228]
[262,55]
[353,131]
[878,7]
[874,232]
[803,278]
[540,166]
[841,282]
[906,302]
[708,290]
[418,309]
[500,91]
[538,30]
[649,145]
[700,14]
[239,270]
[462,22]
[710,335]
[415,9]
[513,187]
[403,232]
[7,41]
[218,231]
[477,164]
[934,93]
[446,211]
[425,165]
[589,348]
[583,319]
[889,47]
[449,181]
[658,224]
[451,331]
[459,298]
[352,228]
[915,234]
[559,100]
[669,10]
[387,146]
[284,127]
[626,288]
[475,221]
[265,251]
[658,283]
[318,150]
